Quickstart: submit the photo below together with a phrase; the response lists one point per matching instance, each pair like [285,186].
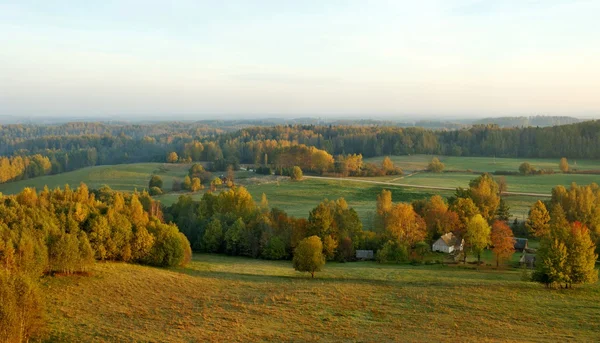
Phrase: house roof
[520,243]
[449,239]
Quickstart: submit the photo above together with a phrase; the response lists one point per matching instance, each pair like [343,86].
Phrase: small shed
[527,260]
[448,243]
[364,254]
[521,244]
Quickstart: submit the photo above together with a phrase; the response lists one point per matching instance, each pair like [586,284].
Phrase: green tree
[308,255]
[275,249]
[155,181]
[478,235]
[213,236]
[551,262]
[296,174]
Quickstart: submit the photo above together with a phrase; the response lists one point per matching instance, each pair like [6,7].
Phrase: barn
[448,243]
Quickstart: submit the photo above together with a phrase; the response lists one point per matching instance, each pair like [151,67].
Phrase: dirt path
[402,177]
[416,186]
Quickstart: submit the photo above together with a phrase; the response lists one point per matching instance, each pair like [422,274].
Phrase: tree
[502,185]
[275,249]
[176,185]
[329,247]
[538,222]
[405,226]
[502,240]
[384,206]
[215,183]
[478,235]
[564,165]
[296,174]
[196,185]
[438,218]
[551,262]
[526,168]
[155,181]
[392,252]
[484,192]
[346,250]
[503,211]
[213,236]
[436,166]
[581,257]
[172,157]
[308,255]
[187,183]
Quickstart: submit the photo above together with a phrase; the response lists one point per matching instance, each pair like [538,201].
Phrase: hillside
[219,298]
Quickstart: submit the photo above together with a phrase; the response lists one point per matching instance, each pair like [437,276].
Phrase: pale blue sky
[202,59]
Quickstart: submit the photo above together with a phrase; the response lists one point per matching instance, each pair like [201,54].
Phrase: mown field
[228,299]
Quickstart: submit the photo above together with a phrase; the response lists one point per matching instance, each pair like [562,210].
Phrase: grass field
[228,299]
[483,164]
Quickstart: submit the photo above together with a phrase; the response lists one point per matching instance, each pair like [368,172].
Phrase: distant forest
[33,150]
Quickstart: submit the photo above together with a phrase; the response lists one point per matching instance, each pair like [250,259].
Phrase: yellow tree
[538,222]
[478,235]
[503,241]
[484,192]
[384,206]
[564,165]
[581,257]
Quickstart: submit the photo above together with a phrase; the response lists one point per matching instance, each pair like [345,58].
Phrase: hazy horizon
[443,60]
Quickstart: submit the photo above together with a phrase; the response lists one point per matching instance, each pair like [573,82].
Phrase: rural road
[416,186]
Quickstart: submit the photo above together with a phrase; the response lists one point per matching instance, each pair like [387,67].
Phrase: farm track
[417,186]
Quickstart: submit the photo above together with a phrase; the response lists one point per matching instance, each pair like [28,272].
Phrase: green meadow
[229,299]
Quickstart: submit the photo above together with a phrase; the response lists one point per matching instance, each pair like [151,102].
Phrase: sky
[243,59]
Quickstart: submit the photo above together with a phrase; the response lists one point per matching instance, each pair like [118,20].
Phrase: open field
[483,164]
[219,298]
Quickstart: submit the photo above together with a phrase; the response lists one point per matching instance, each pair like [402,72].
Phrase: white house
[448,243]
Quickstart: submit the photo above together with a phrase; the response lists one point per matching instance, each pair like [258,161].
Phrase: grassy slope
[220,298]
